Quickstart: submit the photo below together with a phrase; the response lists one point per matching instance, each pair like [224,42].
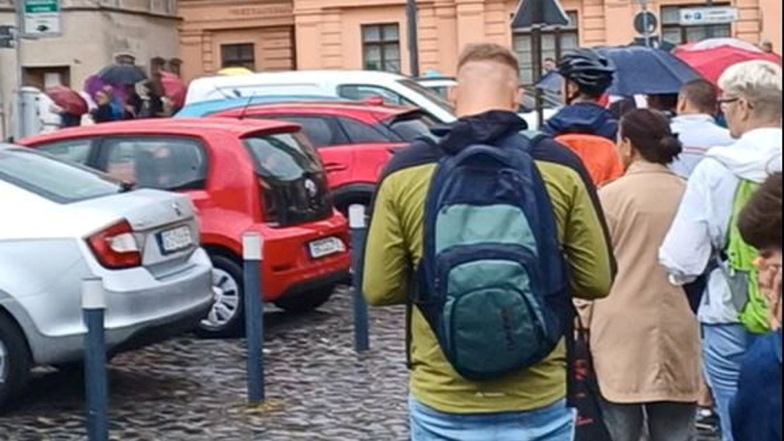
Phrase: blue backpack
[492,280]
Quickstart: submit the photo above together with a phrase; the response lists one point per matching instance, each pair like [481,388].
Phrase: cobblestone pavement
[193,389]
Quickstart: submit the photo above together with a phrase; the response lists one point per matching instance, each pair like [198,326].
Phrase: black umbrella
[122,74]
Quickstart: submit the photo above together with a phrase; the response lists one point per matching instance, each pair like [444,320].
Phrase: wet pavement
[193,389]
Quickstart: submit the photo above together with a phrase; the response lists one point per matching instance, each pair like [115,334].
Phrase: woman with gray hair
[698,240]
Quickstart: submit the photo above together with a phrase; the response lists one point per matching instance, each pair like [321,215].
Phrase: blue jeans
[723,349]
[552,423]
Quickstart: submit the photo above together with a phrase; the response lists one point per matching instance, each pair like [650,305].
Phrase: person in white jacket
[752,104]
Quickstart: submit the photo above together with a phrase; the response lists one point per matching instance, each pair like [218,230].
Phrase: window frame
[102,158]
[382,44]
[554,31]
[240,61]
[402,101]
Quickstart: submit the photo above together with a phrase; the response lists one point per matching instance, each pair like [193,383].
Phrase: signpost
[708,16]
[40,18]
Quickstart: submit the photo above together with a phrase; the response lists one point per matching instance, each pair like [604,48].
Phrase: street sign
[41,18]
[6,37]
[645,22]
[542,12]
[708,16]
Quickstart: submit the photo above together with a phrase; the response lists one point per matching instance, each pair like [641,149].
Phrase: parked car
[251,175]
[62,224]
[438,84]
[354,140]
[353,85]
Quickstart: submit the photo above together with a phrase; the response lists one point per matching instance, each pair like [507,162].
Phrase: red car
[261,176]
[355,139]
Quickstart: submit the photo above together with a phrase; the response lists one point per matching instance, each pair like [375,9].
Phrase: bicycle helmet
[588,69]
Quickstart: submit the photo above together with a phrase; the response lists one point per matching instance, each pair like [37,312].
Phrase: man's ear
[519,97]
[452,93]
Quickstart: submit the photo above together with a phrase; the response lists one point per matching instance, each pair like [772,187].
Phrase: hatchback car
[260,176]
[62,224]
[354,139]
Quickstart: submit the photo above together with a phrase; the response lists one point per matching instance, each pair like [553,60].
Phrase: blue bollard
[97,390]
[252,246]
[358,233]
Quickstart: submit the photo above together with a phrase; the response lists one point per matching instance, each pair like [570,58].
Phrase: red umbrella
[68,99]
[174,88]
[711,62]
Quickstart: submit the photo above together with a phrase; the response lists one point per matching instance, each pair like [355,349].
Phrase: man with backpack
[585,125]
[705,235]
[485,235]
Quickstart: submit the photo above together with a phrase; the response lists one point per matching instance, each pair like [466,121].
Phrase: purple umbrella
[94,83]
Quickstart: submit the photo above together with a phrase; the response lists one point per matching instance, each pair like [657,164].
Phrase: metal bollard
[252,249]
[97,390]
[356,215]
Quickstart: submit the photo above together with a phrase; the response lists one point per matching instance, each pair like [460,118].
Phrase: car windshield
[430,94]
[53,179]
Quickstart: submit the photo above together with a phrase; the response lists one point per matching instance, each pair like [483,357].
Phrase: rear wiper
[126,186]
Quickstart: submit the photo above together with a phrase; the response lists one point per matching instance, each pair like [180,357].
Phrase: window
[411,126]
[77,150]
[360,92]
[238,55]
[568,37]
[360,133]
[52,179]
[381,47]
[674,33]
[161,163]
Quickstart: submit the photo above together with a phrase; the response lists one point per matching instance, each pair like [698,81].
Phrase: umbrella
[174,88]
[713,61]
[646,71]
[122,74]
[713,43]
[235,71]
[68,99]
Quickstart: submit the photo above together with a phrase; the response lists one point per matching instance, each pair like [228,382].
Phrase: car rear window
[53,179]
[283,156]
[411,127]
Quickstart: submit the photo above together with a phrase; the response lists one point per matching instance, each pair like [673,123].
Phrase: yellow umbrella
[235,71]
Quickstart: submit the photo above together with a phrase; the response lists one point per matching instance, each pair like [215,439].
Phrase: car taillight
[115,247]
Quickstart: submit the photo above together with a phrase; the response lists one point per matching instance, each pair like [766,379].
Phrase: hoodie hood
[485,128]
[754,157]
[585,118]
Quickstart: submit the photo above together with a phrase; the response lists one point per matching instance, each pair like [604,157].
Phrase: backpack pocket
[493,322]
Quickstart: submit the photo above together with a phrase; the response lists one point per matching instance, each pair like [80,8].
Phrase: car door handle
[334,167]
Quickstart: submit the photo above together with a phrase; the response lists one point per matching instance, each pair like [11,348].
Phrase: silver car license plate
[176,239]
[326,247]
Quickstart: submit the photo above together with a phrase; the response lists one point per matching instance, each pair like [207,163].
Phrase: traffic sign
[541,12]
[645,22]
[6,37]
[41,18]
[708,15]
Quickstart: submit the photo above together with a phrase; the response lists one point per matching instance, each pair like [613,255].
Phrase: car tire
[227,277]
[305,302]
[15,360]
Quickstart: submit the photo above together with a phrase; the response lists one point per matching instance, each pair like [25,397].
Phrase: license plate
[326,247]
[176,239]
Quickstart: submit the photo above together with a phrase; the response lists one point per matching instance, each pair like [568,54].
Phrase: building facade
[267,35]
[95,33]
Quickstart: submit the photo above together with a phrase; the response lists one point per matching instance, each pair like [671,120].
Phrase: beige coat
[644,337]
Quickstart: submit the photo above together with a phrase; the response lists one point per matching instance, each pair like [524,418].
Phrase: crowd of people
[676,260]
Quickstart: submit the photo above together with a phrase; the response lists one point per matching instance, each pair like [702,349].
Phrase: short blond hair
[759,82]
[489,52]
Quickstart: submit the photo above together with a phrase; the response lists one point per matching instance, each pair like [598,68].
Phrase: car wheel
[307,301]
[14,360]
[226,318]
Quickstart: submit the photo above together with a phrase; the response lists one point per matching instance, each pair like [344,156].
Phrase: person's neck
[693,112]
[473,110]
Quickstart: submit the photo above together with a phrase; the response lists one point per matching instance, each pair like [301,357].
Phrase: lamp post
[413,39]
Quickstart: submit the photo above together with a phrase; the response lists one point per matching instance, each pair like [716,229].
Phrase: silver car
[60,224]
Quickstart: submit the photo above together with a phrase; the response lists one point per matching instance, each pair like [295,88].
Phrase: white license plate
[326,247]
[176,239]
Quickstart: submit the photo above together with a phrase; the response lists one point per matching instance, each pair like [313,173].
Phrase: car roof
[383,111]
[299,76]
[202,108]
[169,126]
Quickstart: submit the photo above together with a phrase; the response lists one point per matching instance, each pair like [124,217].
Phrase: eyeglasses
[724,101]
